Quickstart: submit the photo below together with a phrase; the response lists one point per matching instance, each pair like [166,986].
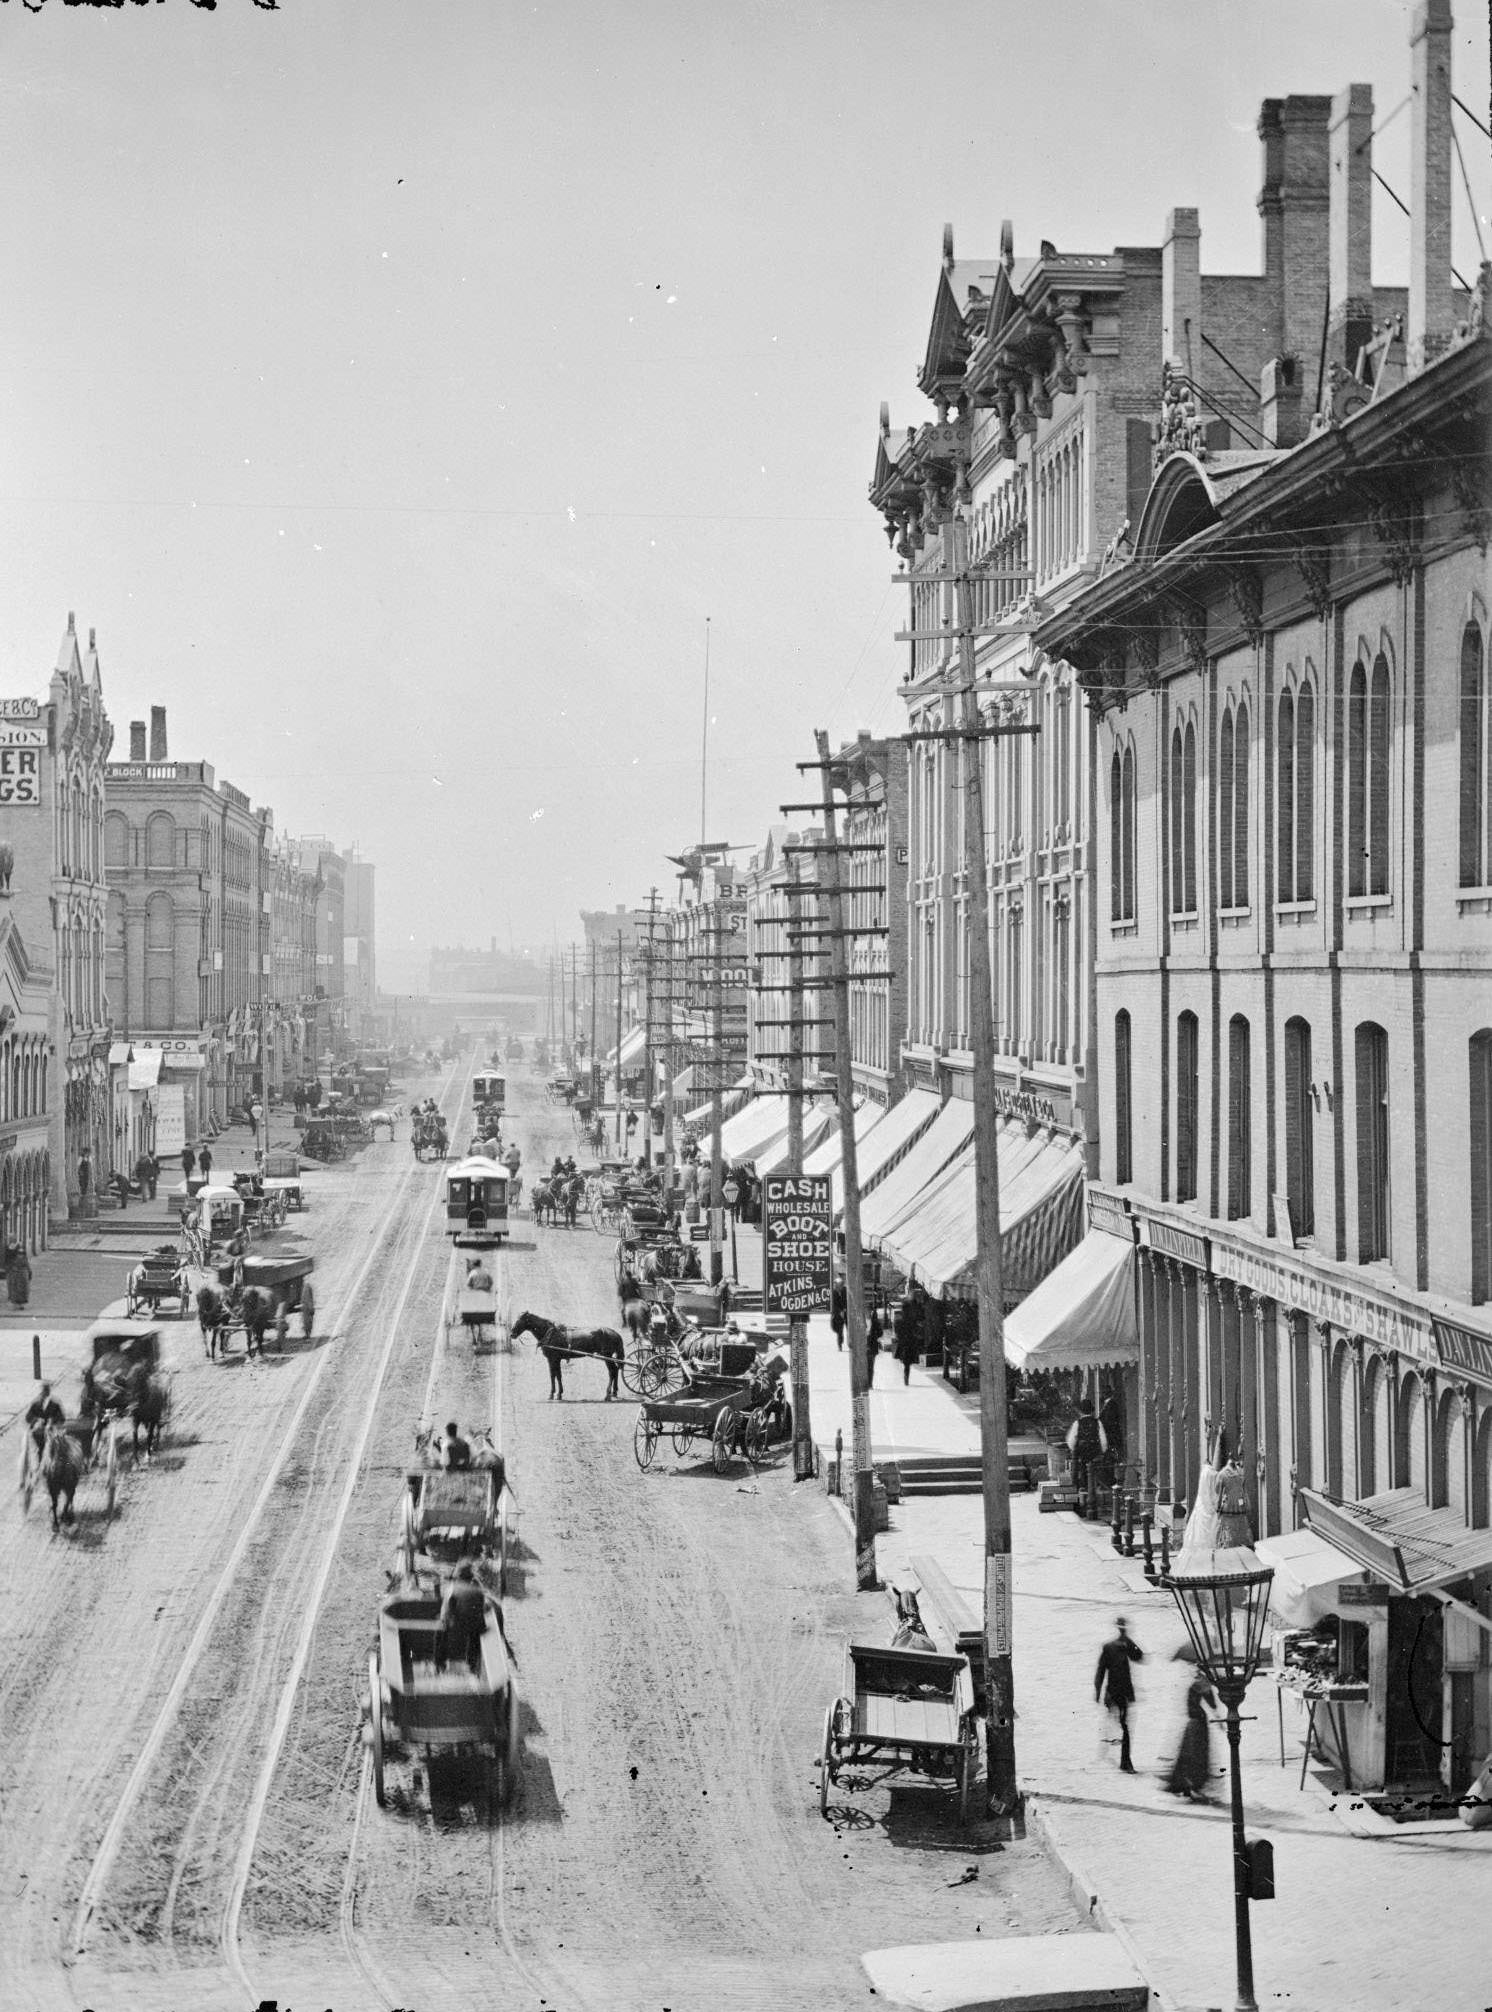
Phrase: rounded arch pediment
[1182,502]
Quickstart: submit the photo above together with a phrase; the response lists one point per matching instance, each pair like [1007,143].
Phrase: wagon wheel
[720,1448]
[633,1369]
[652,1373]
[683,1438]
[755,1438]
[111,1469]
[828,1754]
[967,1769]
[407,1534]
[621,1258]
[645,1437]
[375,1720]
[511,1765]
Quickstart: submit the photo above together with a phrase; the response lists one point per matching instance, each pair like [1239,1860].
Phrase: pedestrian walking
[874,1329]
[839,1307]
[1114,1684]
[1111,1424]
[907,1327]
[307,1309]
[204,1163]
[85,1173]
[1191,1768]
[188,1163]
[1087,1444]
[18,1275]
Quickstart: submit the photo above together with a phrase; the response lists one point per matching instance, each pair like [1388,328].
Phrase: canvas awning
[825,1159]
[1396,1536]
[145,1070]
[774,1159]
[119,1054]
[760,1124]
[702,1118]
[1082,1315]
[633,1044]
[894,1136]
[1307,1572]
[1041,1193]
[947,1135]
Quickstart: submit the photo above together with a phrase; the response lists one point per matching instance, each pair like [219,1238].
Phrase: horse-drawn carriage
[730,1412]
[428,1136]
[424,1704]
[453,1513]
[473,1308]
[122,1378]
[561,1089]
[264,1208]
[558,1198]
[902,1711]
[258,1304]
[159,1279]
[321,1140]
[489,1090]
[282,1176]
[476,1203]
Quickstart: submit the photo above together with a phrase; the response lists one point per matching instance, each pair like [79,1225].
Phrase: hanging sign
[20,764]
[797,1243]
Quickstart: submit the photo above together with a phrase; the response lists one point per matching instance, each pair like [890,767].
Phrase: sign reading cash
[797,1243]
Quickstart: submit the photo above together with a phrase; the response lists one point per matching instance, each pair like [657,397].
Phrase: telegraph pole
[717,1109]
[620,1148]
[596,1084]
[798,1322]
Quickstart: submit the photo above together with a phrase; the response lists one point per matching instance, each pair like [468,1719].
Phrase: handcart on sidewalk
[902,1711]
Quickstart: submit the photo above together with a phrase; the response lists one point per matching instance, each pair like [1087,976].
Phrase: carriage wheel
[111,1471]
[131,1303]
[967,1769]
[754,1440]
[682,1437]
[827,1755]
[631,1370]
[598,1218]
[621,1259]
[26,1478]
[645,1437]
[375,1720]
[720,1447]
[511,1769]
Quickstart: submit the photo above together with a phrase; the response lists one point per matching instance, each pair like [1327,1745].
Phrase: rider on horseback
[42,1411]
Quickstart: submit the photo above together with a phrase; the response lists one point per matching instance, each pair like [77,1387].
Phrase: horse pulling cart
[428,1136]
[423,1705]
[903,1711]
[450,1514]
[85,1445]
[474,1309]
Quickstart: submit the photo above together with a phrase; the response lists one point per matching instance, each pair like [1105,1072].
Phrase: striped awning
[827,1159]
[774,1159]
[1082,1314]
[759,1124]
[702,1118]
[946,1137]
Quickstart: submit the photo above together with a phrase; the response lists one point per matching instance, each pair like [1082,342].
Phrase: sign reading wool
[797,1243]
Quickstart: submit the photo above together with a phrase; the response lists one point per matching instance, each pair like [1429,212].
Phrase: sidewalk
[1348,1931]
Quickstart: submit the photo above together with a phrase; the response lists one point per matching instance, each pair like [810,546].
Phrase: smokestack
[137,740]
[1350,227]
[1294,204]
[1181,291]
[1429,325]
[158,734]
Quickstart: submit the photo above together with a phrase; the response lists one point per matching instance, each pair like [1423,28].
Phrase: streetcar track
[96,1883]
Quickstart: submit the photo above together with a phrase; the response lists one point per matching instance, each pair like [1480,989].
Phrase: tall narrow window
[1062,1033]
[1123,1140]
[1357,780]
[1372,1143]
[1127,802]
[1186,1107]
[1480,1055]
[1476,865]
[1117,912]
[1285,800]
[1062,756]
[1300,1166]
[1013,1015]
[1189,815]
[1378,747]
[1240,1119]
[1241,807]
[1178,798]
[1305,793]
[1225,813]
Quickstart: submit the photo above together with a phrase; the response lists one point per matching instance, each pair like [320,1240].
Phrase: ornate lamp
[1222,1591]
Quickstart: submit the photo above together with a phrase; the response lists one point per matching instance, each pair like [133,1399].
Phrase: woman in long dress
[1192,1767]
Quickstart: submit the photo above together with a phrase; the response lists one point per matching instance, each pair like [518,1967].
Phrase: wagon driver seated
[478,1278]
[463,1621]
[42,1411]
[456,1452]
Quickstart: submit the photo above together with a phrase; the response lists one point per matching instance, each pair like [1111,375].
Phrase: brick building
[321,859]
[359,964]
[51,823]
[1290,684]
[295,895]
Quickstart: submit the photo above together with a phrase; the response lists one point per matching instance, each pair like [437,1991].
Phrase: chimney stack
[1280,388]
[158,734]
[1295,204]
[1181,291]
[1429,324]
[137,740]
[1350,314]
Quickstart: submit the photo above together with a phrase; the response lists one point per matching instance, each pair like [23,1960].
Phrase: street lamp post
[1223,1594]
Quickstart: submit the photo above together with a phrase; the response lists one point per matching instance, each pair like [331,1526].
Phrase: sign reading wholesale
[797,1243]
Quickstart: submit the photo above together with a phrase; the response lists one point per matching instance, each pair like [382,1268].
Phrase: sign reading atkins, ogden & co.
[797,1243]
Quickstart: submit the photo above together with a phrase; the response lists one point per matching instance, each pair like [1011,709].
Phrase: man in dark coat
[42,1411]
[1114,1684]
[457,1450]
[839,1305]
[463,1620]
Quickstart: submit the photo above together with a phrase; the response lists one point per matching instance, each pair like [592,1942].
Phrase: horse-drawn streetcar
[476,1203]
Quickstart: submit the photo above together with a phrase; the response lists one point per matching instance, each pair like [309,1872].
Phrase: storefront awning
[760,1124]
[1396,1536]
[774,1159]
[947,1135]
[1041,1216]
[896,1133]
[145,1070]
[702,1118]
[1307,1572]
[1082,1315]
[119,1054]
[633,1044]
[827,1157]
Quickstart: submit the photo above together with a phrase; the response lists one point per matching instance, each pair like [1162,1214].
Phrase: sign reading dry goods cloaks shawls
[797,1243]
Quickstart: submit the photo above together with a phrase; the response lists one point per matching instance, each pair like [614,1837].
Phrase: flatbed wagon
[902,1711]
[422,1705]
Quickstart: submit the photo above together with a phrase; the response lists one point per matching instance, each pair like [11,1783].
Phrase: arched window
[161,842]
[1475,758]
[1285,800]
[1127,804]
[1123,1137]
[159,922]
[1187,1106]
[1233,808]
[1225,811]
[1184,819]
[1480,1057]
[1357,780]
[1062,753]
[1300,1169]
[1373,1221]
[1240,1119]
[116,842]
[1305,793]
[1368,740]
[1117,912]
[1378,754]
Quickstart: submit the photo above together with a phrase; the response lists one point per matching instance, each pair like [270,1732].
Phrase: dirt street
[186,1816]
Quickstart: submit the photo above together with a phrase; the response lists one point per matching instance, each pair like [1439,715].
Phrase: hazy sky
[398,386]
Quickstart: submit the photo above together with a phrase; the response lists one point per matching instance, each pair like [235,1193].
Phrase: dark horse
[218,1314]
[214,1318]
[61,1469]
[149,1402]
[571,1195]
[637,1314]
[556,1342]
[544,1199]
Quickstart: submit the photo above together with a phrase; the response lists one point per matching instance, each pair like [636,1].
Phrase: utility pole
[717,1109]
[596,1084]
[798,1323]
[620,1151]
[854,1267]
[647,1033]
